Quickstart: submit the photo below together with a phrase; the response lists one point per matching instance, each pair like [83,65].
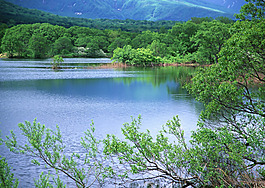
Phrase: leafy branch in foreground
[213,157]
[233,93]
[46,146]
[146,159]
[7,179]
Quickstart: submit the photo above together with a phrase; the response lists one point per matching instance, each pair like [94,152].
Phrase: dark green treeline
[197,40]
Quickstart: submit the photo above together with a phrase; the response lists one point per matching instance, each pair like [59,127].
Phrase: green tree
[253,9]
[181,34]
[51,32]
[82,41]
[45,145]
[62,46]
[8,45]
[233,93]
[198,20]
[209,40]
[158,48]
[139,56]
[144,57]
[123,55]
[206,161]
[3,28]
[143,39]
[56,61]
[16,39]
[38,45]
[7,179]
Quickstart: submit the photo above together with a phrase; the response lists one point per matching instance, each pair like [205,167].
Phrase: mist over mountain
[179,10]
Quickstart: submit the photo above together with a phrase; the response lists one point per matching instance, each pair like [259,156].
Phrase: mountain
[178,10]
[11,15]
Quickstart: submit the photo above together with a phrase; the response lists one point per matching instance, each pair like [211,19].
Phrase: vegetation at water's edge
[227,149]
[198,40]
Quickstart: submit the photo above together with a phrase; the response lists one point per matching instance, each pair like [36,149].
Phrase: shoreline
[122,65]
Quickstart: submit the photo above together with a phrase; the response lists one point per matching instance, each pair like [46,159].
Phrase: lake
[80,93]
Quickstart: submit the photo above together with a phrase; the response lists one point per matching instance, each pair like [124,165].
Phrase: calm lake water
[76,95]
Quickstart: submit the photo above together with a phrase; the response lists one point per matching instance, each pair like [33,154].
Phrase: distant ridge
[153,10]
[11,15]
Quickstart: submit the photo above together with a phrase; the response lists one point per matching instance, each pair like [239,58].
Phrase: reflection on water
[73,97]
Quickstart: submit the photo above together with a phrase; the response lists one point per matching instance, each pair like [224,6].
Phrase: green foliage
[33,40]
[158,48]
[44,181]
[57,60]
[38,45]
[213,157]
[139,56]
[123,55]
[228,84]
[16,39]
[233,94]
[227,149]
[3,28]
[185,42]
[62,46]
[142,156]
[254,9]
[7,179]
[144,39]
[209,40]
[46,146]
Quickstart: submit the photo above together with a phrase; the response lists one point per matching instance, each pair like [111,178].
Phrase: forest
[226,150]
[197,40]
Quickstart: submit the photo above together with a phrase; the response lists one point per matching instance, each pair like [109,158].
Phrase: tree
[139,56]
[123,55]
[16,39]
[160,161]
[209,40]
[144,39]
[38,45]
[47,146]
[228,148]
[7,179]
[253,9]
[233,92]
[82,41]
[183,33]
[3,28]
[198,20]
[62,46]
[158,48]
[51,32]
[57,60]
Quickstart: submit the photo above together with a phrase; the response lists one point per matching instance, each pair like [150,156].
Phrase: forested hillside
[198,40]
[12,14]
[153,10]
